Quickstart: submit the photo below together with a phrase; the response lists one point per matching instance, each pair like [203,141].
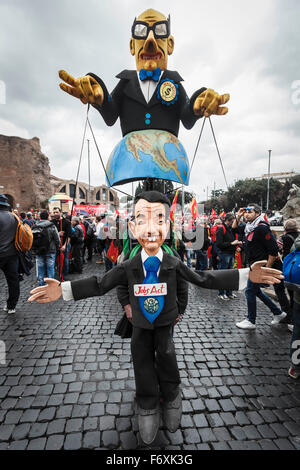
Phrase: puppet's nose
[151,229]
[150,44]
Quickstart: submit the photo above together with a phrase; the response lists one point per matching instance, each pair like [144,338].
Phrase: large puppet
[150,102]
[156,285]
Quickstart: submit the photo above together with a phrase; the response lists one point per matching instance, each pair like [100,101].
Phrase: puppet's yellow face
[150,226]
[149,47]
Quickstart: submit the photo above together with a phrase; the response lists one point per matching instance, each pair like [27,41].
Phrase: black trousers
[155,366]
[77,257]
[9,266]
[88,244]
[100,246]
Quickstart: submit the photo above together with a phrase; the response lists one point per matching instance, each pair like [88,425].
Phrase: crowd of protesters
[62,244]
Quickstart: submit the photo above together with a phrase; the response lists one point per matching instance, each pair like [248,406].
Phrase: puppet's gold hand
[86,88]
[209,102]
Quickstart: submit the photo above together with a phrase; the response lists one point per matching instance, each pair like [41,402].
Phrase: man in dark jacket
[260,244]
[154,281]
[77,240]
[46,244]
[226,243]
[9,261]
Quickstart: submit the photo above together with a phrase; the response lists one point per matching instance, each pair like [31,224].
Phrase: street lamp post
[268,188]
[89,171]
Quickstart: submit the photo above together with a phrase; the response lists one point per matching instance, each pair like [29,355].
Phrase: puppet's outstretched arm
[79,289]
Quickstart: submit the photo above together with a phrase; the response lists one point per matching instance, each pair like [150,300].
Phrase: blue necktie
[151,306]
[149,74]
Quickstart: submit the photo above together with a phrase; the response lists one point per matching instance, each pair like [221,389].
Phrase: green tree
[138,189]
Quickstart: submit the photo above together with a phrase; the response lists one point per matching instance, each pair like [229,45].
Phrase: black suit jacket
[182,290]
[172,271]
[128,103]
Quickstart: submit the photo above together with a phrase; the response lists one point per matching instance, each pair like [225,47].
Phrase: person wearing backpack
[46,243]
[9,261]
[291,271]
[90,228]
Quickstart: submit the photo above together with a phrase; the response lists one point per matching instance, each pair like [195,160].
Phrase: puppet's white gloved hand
[48,293]
[261,275]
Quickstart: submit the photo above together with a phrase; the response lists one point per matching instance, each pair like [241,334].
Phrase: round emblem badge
[151,305]
[168,92]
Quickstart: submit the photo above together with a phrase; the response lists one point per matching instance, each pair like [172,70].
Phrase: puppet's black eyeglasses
[140,29]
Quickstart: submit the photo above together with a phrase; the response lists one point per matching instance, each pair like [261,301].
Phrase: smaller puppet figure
[155,282]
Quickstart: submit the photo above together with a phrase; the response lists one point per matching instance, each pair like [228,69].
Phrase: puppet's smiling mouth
[151,239]
[151,56]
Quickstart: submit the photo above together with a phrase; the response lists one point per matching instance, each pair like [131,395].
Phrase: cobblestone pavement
[68,382]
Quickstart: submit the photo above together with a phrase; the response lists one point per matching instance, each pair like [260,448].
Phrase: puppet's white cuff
[67,290]
[244,276]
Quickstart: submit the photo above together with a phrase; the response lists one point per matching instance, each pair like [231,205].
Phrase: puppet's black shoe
[148,421]
[172,411]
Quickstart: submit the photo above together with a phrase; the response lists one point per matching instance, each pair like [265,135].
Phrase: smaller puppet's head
[151,220]
[151,41]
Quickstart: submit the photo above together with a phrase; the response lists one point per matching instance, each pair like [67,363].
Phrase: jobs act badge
[167,92]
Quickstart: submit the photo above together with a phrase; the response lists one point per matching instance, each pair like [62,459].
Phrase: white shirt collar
[148,87]
[145,256]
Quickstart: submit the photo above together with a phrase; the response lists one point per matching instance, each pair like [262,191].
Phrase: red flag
[113,252]
[173,208]
[237,257]
[194,208]
[213,214]
[222,214]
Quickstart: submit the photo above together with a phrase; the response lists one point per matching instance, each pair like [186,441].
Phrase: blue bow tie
[149,74]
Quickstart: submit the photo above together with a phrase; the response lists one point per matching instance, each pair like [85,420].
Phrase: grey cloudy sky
[248,49]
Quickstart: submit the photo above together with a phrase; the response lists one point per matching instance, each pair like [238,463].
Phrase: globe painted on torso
[148,153]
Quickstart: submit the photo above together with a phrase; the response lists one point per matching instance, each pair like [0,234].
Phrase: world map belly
[148,153]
